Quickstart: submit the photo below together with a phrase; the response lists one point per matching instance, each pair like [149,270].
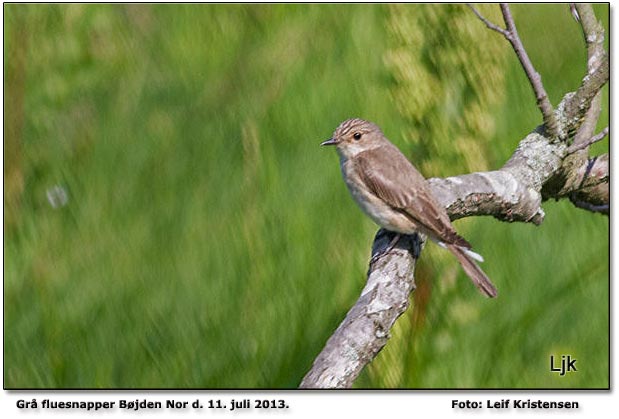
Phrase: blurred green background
[208,241]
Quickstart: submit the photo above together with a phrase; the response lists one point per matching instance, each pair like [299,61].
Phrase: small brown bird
[395,195]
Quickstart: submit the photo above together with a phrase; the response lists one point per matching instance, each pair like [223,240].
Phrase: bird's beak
[330,141]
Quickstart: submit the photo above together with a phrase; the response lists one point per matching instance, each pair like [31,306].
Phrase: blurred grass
[209,242]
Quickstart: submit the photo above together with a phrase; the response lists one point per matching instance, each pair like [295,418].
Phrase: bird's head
[354,136]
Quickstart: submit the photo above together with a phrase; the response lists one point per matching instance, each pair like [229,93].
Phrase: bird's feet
[392,243]
[413,242]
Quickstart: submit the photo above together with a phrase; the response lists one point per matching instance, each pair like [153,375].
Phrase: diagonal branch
[598,137]
[588,95]
[489,24]
[365,330]
[511,34]
[577,104]
[543,103]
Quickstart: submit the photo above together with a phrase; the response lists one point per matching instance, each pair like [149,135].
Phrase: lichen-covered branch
[365,330]
[497,193]
[597,72]
[583,109]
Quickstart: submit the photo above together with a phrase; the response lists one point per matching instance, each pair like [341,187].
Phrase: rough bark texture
[365,330]
[546,164]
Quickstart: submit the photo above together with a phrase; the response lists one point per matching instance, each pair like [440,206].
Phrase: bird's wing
[392,178]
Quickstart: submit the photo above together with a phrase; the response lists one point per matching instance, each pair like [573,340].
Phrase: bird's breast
[378,210]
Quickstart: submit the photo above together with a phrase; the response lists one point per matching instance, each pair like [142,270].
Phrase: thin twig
[511,34]
[543,103]
[598,137]
[489,24]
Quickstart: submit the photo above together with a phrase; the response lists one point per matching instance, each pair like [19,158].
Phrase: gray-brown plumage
[391,191]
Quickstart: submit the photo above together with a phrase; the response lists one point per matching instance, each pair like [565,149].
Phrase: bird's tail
[479,278]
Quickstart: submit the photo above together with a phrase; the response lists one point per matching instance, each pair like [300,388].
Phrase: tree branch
[511,34]
[581,110]
[498,193]
[598,137]
[365,330]
[597,69]
[489,24]
[543,103]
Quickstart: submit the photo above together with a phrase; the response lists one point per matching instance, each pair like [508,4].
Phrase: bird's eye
[357,135]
